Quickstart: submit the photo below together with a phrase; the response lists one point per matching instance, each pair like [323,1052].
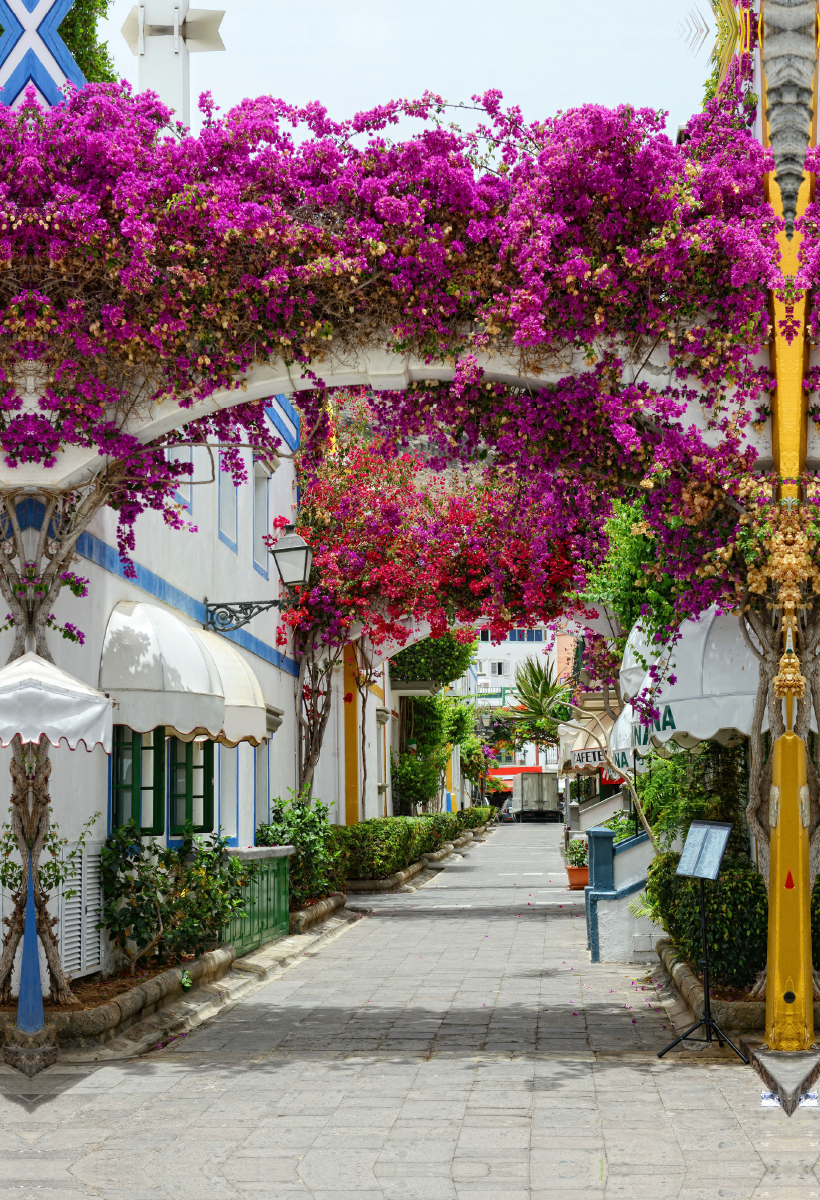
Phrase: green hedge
[736,915]
[383,845]
[471,818]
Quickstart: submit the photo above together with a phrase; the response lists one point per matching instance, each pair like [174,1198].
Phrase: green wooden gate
[267,909]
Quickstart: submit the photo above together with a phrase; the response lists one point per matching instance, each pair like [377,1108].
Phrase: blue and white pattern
[32,51]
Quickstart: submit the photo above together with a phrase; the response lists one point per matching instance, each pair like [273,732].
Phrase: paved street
[457,1045]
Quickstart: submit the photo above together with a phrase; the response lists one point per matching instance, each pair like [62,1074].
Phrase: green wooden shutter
[157,826]
[191,781]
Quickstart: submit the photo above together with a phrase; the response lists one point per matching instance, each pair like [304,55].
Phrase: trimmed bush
[471,818]
[736,917]
[444,658]
[339,858]
[381,846]
[169,900]
[304,825]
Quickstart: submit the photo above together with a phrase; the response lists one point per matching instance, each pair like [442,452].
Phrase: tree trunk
[31,821]
[314,696]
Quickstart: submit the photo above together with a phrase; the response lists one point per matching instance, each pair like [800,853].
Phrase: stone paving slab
[459,1052]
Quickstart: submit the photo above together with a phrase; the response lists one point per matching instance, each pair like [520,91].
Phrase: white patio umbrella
[37,698]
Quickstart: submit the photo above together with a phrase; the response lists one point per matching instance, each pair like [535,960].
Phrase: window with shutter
[79,942]
[92,904]
[71,931]
[192,785]
[138,779]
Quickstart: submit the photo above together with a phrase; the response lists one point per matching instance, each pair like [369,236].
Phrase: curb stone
[247,975]
[301,920]
[733,1016]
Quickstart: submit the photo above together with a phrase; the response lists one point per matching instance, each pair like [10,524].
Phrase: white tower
[162,33]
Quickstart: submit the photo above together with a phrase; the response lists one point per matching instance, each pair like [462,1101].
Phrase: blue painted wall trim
[106,556]
[12,32]
[48,30]
[628,843]
[591,898]
[602,854]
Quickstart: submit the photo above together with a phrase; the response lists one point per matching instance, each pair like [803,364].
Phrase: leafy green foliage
[384,845]
[169,899]
[439,721]
[78,30]
[472,818]
[736,916]
[540,704]
[709,783]
[303,824]
[623,581]
[474,762]
[379,847]
[444,659]
[538,690]
[416,779]
[624,825]
[57,865]
[435,724]
[577,853]
[339,871]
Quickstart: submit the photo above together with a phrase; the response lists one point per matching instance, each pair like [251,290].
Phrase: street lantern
[293,558]
[485,721]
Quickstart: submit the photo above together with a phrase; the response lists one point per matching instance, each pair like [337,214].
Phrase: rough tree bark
[314,696]
[31,578]
[365,676]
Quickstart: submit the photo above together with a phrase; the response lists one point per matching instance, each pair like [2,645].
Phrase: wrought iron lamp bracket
[227,617]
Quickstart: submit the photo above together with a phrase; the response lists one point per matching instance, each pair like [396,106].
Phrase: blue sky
[543,54]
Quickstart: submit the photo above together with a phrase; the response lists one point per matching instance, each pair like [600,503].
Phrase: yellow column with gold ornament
[789,986]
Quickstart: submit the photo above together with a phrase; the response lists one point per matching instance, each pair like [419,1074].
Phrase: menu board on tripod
[704,849]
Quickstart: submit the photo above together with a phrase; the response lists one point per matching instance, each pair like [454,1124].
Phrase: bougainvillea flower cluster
[140,266]
[392,542]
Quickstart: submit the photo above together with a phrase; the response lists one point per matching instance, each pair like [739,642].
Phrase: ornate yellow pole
[789,59]
[789,987]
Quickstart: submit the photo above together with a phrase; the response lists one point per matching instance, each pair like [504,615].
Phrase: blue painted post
[30,1015]
[601,879]
[601,859]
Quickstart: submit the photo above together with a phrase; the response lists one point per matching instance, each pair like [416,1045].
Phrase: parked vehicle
[535,797]
[505,813]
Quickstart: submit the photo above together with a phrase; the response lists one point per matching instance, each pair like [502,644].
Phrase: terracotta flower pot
[578,878]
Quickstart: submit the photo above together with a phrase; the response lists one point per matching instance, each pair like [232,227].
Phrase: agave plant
[538,691]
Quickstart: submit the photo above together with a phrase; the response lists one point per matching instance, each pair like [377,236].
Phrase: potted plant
[577,864]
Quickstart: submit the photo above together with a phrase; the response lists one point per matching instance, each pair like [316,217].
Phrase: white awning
[713,695]
[638,657]
[586,755]
[38,698]
[246,718]
[160,671]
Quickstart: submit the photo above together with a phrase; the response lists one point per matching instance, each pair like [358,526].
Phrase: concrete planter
[733,1016]
[387,884]
[95,1026]
[305,917]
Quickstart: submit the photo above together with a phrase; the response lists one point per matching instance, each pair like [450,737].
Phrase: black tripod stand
[706,1020]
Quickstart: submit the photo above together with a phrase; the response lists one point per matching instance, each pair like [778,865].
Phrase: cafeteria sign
[587,758]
